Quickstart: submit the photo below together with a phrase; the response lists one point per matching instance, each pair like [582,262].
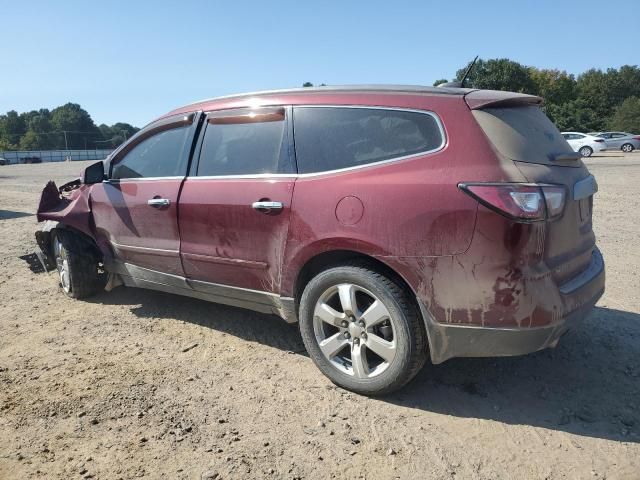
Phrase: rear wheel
[77,265]
[586,151]
[361,330]
[627,148]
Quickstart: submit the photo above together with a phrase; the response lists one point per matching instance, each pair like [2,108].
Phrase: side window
[617,135]
[163,154]
[331,138]
[245,142]
[567,136]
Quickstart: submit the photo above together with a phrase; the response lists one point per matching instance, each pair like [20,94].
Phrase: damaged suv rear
[391,222]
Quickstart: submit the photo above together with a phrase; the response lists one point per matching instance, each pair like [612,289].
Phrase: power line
[55,132]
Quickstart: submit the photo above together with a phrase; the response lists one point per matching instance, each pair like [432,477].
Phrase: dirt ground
[134,383]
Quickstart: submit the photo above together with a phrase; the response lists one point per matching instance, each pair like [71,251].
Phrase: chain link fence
[39,156]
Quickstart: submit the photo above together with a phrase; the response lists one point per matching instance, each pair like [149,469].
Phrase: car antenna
[460,83]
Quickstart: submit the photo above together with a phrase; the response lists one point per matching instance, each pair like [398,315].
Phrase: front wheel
[361,330]
[77,265]
[627,148]
[586,151]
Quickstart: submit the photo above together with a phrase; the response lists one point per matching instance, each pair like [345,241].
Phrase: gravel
[108,379]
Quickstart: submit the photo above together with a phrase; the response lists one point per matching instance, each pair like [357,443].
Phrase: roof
[419,89]
[476,99]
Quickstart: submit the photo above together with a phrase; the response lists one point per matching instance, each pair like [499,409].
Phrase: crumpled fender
[72,210]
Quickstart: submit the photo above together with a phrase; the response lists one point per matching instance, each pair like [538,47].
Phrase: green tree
[574,116]
[555,86]
[78,124]
[5,145]
[12,127]
[124,129]
[440,81]
[307,84]
[627,116]
[498,74]
[32,141]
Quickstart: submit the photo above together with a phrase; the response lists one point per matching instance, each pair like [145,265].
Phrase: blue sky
[133,61]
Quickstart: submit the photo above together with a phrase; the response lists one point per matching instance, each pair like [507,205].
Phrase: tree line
[593,101]
[66,127]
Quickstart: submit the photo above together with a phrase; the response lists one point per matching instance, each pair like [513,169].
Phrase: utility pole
[66,146]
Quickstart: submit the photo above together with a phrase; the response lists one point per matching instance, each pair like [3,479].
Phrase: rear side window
[332,138]
[245,143]
[160,155]
[524,134]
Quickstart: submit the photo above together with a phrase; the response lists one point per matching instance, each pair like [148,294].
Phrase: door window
[245,142]
[162,154]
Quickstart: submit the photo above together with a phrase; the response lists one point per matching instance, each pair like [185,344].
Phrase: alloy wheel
[354,330]
[586,151]
[62,265]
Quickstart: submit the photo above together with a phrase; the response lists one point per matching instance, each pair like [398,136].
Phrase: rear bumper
[453,340]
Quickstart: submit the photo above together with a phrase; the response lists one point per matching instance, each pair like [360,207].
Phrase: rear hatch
[522,133]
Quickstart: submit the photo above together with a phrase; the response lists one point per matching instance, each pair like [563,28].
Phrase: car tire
[77,265]
[393,348]
[627,148]
[586,151]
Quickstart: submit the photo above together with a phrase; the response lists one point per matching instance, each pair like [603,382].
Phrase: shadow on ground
[589,385]
[11,214]
[268,330]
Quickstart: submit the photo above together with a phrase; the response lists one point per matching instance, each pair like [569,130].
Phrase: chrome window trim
[142,179]
[434,115]
[247,176]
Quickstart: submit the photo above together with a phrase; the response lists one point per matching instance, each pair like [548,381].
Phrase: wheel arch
[44,237]
[328,259]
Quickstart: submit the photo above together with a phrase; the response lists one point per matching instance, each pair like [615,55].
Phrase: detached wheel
[627,148]
[586,151]
[77,265]
[361,330]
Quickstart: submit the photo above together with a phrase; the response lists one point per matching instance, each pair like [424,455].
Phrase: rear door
[236,201]
[135,210]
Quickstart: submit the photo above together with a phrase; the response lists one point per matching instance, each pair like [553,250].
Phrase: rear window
[524,134]
[332,138]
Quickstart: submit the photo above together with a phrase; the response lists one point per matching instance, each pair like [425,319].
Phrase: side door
[571,140]
[135,209]
[579,141]
[235,203]
[616,140]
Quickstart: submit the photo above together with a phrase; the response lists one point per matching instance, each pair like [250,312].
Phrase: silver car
[627,142]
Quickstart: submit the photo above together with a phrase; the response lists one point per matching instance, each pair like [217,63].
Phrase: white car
[584,144]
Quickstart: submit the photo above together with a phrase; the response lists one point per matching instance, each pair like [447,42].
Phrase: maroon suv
[388,221]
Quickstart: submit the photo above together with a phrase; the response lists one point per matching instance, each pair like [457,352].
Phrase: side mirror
[93,173]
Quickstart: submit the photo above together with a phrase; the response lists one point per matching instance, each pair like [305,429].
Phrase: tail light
[523,202]
[637,137]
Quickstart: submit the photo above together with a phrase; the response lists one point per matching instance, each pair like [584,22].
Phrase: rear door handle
[158,202]
[267,206]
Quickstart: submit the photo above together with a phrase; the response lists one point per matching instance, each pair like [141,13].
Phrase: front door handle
[267,206]
[158,202]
